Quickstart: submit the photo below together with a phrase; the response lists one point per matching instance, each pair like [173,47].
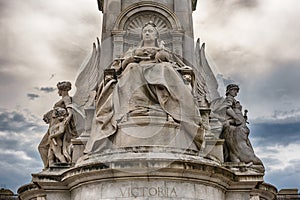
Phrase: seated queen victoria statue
[144,100]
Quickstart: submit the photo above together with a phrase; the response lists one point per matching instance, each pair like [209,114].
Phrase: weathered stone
[150,134]
[154,173]
[55,145]
[237,146]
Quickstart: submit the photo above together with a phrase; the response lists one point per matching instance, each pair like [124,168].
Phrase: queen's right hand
[129,60]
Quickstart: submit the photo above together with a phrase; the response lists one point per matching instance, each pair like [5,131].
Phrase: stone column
[118,41]
[177,43]
[111,9]
[183,10]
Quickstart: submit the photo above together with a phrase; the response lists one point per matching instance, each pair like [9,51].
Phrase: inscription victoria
[148,192]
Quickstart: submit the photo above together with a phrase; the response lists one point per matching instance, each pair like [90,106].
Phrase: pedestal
[147,173]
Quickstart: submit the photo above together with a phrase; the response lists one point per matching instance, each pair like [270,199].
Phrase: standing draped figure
[237,146]
[55,146]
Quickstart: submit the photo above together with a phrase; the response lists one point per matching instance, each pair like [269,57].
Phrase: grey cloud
[289,176]
[16,122]
[235,4]
[20,133]
[256,49]
[19,157]
[47,89]
[16,171]
[282,81]
[45,36]
[296,162]
[223,11]
[245,3]
[32,96]
[284,113]
[271,161]
[274,92]
[73,59]
[9,79]
[272,133]
[226,81]
[15,144]
[285,178]
[11,158]
[287,116]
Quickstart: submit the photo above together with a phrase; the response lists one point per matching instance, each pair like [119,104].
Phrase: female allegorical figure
[148,84]
[235,132]
[57,132]
[61,126]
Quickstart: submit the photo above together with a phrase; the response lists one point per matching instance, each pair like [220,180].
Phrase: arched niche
[128,25]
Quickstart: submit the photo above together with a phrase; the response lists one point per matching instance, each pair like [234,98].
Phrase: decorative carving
[130,21]
[206,88]
[145,7]
[134,24]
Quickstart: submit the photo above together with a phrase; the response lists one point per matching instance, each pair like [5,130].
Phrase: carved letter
[123,192]
[152,191]
[162,192]
[134,192]
[173,192]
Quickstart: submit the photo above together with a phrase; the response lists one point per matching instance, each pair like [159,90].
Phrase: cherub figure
[56,135]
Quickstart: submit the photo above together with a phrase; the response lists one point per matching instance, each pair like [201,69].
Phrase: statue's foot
[83,158]
[249,164]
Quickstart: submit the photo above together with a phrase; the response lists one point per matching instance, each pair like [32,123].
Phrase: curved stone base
[146,173]
[152,131]
[160,188]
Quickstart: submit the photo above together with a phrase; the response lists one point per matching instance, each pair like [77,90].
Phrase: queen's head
[150,35]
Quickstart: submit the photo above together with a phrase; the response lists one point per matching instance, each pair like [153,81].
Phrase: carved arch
[146,6]
[130,21]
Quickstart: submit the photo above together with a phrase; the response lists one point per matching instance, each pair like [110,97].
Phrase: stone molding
[156,169]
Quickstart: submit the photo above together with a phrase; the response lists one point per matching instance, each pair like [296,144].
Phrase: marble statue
[237,146]
[44,144]
[57,133]
[55,146]
[147,120]
[146,81]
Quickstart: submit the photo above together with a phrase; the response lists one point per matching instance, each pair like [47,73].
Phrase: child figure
[56,133]
[237,108]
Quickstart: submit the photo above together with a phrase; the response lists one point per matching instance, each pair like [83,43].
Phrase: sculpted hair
[230,87]
[47,117]
[64,85]
[60,111]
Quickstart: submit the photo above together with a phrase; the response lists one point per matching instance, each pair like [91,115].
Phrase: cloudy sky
[253,43]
